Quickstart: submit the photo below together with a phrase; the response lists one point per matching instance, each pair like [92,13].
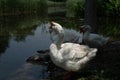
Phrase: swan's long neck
[54,47]
[86,36]
[53,50]
[60,37]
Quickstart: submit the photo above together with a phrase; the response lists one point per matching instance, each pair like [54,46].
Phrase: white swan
[70,35]
[93,40]
[69,56]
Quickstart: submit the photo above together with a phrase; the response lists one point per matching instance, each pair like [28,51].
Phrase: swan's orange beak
[51,24]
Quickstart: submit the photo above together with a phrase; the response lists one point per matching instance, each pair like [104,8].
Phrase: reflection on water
[19,40]
[15,55]
[17,27]
[29,72]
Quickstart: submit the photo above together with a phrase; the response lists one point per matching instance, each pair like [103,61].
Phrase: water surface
[18,41]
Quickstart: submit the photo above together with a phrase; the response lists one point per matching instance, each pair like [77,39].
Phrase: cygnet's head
[85,28]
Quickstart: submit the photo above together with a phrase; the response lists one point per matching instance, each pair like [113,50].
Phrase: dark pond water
[20,38]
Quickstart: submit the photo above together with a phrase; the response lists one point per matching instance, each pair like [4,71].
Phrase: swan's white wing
[71,51]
